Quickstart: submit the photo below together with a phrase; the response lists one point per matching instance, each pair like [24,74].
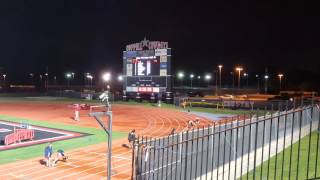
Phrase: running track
[90,163]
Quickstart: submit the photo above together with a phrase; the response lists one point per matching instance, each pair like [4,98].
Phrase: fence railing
[277,145]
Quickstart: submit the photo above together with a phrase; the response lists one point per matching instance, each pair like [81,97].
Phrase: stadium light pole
[31,76]
[106,77]
[90,77]
[258,82]
[266,77]
[55,80]
[199,77]
[220,68]
[280,80]
[246,75]
[239,69]
[180,77]
[46,82]
[68,77]
[207,78]
[232,74]
[191,78]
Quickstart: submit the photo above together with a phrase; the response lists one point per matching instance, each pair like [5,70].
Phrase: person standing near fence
[131,137]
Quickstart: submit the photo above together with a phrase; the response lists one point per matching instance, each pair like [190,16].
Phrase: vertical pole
[162,156]
[186,156]
[206,167]
[144,165]
[242,145]
[178,153]
[291,144]
[151,158]
[213,147]
[263,137]
[218,151]
[197,150]
[249,146]
[277,136]
[255,144]
[181,154]
[201,160]
[231,135]
[167,146]
[309,147]
[300,124]
[110,146]
[133,159]
[224,150]
[270,138]
[284,141]
[236,149]
[191,153]
[317,149]
[159,150]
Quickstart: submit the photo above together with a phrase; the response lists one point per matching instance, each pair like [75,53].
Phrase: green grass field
[98,136]
[275,167]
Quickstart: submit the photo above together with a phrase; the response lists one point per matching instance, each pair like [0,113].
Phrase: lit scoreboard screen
[147,71]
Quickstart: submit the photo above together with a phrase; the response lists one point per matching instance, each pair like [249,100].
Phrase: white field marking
[149,127]
[122,172]
[49,169]
[104,159]
[50,174]
[73,154]
[79,156]
[113,168]
[22,164]
[32,163]
[87,158]
[82,159]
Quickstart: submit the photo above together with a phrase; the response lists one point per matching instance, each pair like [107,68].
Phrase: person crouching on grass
[48,154]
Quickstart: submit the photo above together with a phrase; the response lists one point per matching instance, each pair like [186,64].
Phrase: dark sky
[91,35]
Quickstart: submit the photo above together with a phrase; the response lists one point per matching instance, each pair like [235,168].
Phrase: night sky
[90,35]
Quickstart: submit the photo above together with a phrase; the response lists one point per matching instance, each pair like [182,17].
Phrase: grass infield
[302,166]
[98,136]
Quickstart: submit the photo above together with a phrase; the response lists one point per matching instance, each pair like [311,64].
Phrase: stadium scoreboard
[147,67]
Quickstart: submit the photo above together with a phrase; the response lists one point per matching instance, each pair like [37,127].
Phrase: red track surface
[90,162]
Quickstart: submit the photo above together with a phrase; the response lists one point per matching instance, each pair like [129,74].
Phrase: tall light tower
[266,77]
[90,77]
[106,77]
[180,77]
[199,78]
[191,78]
[280,79]
[258,82]
[239,69]
[246,75]
[220,68]
[207,78]
[68,76]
